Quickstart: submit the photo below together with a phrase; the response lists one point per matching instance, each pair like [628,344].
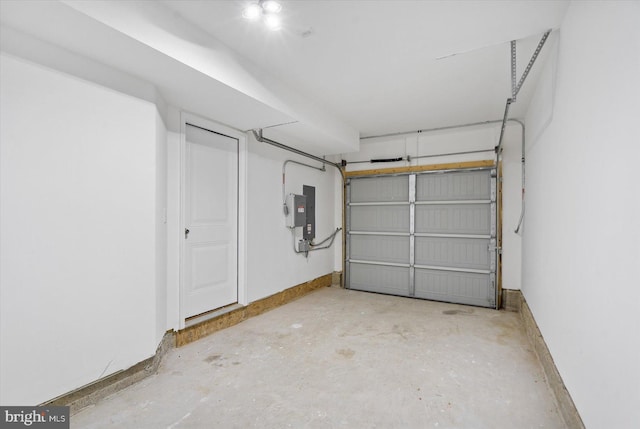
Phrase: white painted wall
[80,235]
[159,27]
[272,266]
[161,194]
[271,262]
[43,52]
[173,228]
[458,140]
[582,237]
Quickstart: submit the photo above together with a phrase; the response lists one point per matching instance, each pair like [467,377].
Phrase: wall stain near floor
[348,353]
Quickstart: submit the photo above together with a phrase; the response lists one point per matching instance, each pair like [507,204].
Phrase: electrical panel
[297,207]
[309,228]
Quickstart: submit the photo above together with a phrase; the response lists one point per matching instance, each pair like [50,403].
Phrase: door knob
[186,233]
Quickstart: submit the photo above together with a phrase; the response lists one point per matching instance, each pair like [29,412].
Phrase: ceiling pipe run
[515,89]
[258,136]
[427,130]
[449,127]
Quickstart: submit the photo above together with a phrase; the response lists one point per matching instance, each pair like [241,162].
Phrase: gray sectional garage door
[428,235]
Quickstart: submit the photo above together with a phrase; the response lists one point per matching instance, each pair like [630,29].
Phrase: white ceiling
[390,66]
[337,68]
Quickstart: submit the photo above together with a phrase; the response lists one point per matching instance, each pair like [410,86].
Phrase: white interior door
[210,260]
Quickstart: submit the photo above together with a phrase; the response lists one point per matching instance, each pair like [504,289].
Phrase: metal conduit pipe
[331,237]
[514,92]
[502,128]
[314,247]
[515,89]
[522,163]
[466,152]
[497,149]
[428,130]
[284,180]
[409,158]
[259,137]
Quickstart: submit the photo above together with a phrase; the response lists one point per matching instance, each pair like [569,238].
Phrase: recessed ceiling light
[252,11]
[271,6]
[272,22]
[267,10]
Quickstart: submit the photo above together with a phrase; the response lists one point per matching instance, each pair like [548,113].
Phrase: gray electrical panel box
[297,206]
[309,229]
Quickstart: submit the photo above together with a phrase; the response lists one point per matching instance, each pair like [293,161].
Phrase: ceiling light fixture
[272,22]
[265,9]
[271,6]
[252,12]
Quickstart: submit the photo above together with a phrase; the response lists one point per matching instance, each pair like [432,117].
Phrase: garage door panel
[380,218]
[462,288]
[425,235]
[453,252]
[379,189]
[391,249]
[471,185]
[379,278]
[453,219]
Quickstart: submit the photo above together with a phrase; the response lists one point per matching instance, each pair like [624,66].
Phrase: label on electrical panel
[300,209]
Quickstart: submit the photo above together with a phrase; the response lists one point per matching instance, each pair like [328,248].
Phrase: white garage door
[428,235]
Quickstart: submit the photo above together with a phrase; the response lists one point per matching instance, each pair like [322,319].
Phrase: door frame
[189,118]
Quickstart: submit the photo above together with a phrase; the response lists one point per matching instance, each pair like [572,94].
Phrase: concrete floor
[338,358]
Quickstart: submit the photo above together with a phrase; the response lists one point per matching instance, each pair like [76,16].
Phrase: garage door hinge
[490,248]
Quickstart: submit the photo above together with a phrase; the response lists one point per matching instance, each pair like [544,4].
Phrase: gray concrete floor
[338,358]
